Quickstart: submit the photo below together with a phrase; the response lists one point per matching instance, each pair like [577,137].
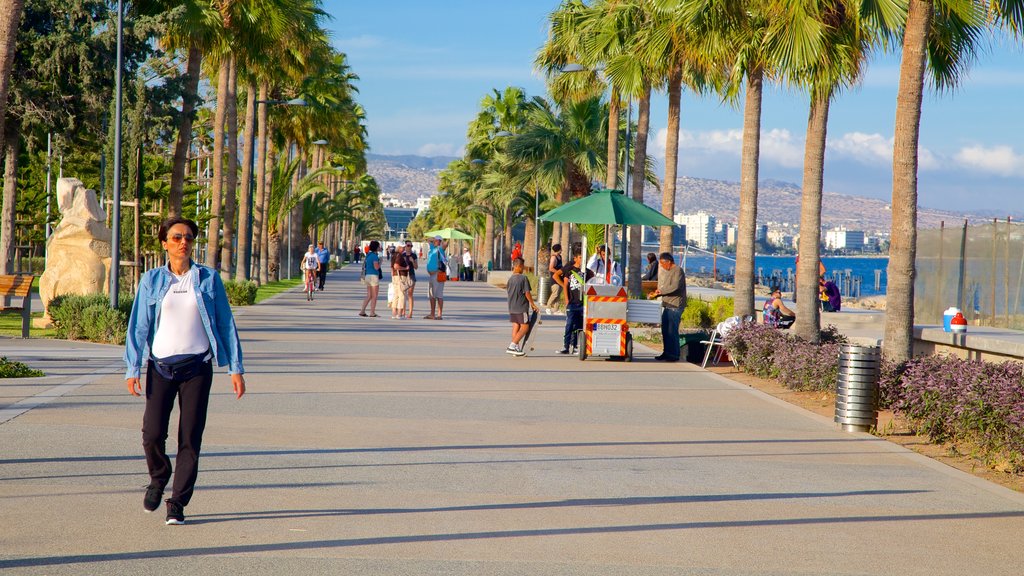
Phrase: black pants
[193,399]
[322,275]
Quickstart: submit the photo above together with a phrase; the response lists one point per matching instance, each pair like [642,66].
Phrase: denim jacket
[213,308]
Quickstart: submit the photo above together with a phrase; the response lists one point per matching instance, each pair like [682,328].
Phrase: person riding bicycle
[310,267]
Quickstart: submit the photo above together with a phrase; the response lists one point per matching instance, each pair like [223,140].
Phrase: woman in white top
[182,320]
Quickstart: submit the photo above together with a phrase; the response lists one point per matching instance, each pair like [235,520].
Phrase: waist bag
[181,366]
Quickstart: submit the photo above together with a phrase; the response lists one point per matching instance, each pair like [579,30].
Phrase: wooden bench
[14,287]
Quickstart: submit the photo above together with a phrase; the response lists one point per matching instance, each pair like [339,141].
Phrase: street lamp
[247,256]
[115,239]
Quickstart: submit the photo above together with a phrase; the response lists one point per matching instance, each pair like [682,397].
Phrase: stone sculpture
[78,250]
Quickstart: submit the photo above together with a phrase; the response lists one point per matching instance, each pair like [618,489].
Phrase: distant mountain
[408,177]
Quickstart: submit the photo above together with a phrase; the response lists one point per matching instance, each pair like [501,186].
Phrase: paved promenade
[370,446]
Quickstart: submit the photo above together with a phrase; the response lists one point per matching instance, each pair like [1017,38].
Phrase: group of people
[404,264]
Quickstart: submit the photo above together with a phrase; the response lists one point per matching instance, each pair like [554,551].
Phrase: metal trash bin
[857,387]
[544,290]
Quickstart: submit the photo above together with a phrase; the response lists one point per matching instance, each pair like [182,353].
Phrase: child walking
[520,301]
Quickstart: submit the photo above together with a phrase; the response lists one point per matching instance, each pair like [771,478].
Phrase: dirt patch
[890,427]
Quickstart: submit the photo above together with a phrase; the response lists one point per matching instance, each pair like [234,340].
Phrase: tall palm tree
[10,18]
[940,37]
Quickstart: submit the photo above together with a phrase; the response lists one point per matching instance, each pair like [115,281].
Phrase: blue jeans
[670,318]
[573,323]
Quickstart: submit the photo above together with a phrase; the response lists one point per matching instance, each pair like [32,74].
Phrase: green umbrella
[449,234]
[607,207]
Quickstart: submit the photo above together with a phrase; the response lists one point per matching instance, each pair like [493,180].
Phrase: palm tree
[940,37]
[10,18]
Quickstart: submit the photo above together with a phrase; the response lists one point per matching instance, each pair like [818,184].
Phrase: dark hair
[374,245]
[651,257]
[174,220]
[666,256]
[518,262]
[556,248]
[601,247]
[774,289]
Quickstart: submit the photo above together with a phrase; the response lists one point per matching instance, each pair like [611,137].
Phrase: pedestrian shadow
[570,503]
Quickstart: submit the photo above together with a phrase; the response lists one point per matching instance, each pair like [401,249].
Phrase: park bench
[13,287]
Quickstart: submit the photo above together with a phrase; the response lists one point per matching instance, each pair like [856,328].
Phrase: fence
[978,269]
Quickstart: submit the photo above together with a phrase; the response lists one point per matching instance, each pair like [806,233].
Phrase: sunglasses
[181,237]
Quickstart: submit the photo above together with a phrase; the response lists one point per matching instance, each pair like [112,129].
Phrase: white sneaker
[547,311]
[518,352]
[511,349]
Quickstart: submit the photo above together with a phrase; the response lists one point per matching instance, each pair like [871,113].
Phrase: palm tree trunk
[189,98]
[242,267]
[808,315]
[11,140]
[898,343]
[668,191]
[488,255]
[506,255]
[266,273]
[746,236]
[611,179]
[259,214]
[643,122]
[10,20]
[231,172]
[529,242]
[217,188]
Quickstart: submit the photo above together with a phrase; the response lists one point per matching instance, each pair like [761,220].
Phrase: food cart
[606,304]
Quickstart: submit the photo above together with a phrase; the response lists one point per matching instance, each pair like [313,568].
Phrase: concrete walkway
[374,446]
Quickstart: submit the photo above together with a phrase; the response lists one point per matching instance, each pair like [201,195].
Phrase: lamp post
[115,237]
[247,256]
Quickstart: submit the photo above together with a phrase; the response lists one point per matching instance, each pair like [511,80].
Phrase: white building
[700,228]
[423,203]
[842,239]
[780,238]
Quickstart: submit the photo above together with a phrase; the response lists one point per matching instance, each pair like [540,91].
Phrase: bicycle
[310,285]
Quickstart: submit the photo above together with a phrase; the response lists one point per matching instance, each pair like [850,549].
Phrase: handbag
[442,276]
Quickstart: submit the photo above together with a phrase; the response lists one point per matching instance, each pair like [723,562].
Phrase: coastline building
[652,235]
[700,228]
[840,238]
[423,203]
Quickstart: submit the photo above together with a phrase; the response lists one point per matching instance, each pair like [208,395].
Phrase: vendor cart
[605,328]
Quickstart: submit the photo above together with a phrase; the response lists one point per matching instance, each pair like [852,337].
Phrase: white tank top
[180,330]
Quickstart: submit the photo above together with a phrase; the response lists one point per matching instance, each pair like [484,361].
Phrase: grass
[274,288]
[10,325]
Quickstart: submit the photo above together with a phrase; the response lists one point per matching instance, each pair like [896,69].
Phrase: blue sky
[424,66]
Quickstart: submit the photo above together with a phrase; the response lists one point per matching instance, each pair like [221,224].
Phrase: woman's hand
[238,384]
[134,387]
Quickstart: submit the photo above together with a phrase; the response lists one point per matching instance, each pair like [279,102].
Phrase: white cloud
[777,145]
[999,160]
[782,147]
[866,148]
[440,149]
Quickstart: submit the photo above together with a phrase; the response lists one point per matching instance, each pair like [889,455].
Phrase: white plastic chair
[715,343]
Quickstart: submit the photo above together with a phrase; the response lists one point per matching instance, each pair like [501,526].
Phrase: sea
[859,270]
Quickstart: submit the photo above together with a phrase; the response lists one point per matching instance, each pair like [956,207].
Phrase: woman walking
[371,277]
[182,320]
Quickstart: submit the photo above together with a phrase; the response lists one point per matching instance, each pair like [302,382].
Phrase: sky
[425,66]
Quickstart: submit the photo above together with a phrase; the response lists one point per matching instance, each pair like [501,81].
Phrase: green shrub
[722,309]
[77,317]
[697,314]
[14,369]
[241,293]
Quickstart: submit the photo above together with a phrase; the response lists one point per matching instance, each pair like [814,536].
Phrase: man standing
[672,289]
[554,268]
[572,278]
[436,262]
[324,256]
[467,265]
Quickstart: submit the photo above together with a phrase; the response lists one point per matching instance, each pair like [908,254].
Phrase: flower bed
[973,404]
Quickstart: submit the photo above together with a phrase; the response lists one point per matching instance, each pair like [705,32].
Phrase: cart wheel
[629,348]
[581,344]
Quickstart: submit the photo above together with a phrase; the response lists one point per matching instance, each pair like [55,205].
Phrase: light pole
[247,256]
[115,237]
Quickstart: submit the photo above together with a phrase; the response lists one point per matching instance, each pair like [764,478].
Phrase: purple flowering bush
[970,402]
[771,353]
